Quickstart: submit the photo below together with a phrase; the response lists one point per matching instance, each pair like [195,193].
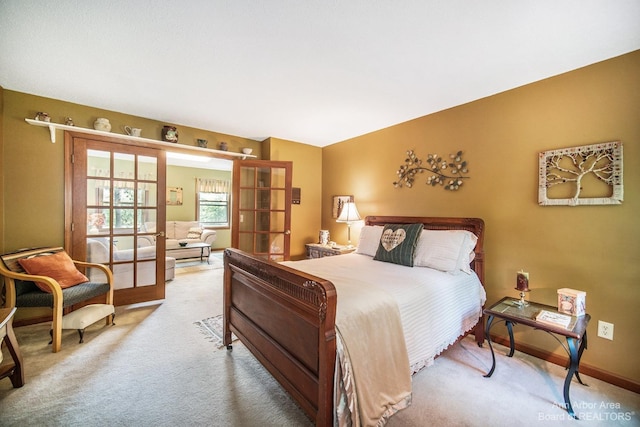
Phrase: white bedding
[435,307]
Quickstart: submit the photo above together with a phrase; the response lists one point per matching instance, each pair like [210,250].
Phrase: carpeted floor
[155,368]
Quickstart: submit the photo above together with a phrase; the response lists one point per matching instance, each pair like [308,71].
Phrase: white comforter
[435,308]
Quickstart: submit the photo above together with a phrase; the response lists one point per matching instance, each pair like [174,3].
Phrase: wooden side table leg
[17,377]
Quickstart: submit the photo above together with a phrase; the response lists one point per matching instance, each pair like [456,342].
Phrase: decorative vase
[102,124]
[43,117]
[202,143]
[169,134]
[324,237]
[223,146]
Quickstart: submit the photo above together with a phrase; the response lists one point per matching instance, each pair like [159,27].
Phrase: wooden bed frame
[286,317]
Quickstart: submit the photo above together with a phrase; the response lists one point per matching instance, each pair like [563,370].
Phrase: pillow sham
[369,240]
[398,243]
[446,250]
[58,266]
[194,233]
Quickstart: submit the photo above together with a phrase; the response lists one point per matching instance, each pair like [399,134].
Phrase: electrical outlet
[605,330]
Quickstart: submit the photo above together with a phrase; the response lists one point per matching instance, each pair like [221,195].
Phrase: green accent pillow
[398,243]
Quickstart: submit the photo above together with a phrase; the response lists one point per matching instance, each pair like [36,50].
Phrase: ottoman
[85,316]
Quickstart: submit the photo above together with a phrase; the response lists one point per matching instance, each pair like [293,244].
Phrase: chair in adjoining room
[48,277]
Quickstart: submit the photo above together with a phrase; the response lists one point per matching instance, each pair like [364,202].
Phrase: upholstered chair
[48,277]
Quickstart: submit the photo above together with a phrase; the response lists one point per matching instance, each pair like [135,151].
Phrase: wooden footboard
[286,318]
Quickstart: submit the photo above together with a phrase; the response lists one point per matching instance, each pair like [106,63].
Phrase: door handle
[287,232]
[160,234]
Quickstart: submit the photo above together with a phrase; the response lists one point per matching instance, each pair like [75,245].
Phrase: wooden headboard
[474,225]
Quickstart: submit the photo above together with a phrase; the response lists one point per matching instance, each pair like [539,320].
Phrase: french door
[115,214]
[262,208]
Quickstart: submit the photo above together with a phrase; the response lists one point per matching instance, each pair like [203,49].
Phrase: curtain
[205,185]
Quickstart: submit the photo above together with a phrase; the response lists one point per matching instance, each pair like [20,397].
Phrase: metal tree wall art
[447,173]
[592,169]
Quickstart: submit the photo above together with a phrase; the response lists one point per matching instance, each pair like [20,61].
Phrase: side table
[509,311]
[12,370]
[316,250]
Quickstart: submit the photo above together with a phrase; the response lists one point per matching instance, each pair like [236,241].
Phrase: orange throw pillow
[58,266]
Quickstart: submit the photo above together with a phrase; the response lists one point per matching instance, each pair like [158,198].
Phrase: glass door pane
[262,210]
[124,186]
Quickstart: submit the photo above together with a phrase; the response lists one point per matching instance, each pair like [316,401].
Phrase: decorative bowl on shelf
[247,150]
[183,244]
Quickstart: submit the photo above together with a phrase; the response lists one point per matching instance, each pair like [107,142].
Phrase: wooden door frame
[235,211]
[70,197]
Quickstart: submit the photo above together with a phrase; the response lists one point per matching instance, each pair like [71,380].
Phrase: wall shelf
[170,146]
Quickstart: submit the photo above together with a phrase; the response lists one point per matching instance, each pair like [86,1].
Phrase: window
[213,209]
[213,202]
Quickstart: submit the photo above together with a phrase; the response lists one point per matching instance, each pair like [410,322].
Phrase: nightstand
[509,311]
[316,250]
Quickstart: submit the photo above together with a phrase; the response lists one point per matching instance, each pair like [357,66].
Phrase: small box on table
[571,301]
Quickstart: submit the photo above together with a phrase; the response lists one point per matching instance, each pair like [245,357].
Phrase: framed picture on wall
[338,203]
[174,196]
[584,175]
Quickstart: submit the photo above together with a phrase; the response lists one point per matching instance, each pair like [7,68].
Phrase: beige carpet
[155,368]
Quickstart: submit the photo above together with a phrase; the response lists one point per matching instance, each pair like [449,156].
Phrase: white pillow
[446,250]
[369,239]
[194,233]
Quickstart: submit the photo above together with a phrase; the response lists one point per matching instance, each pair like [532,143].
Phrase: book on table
[553,319]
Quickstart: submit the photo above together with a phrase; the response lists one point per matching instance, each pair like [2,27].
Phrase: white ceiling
[311,71]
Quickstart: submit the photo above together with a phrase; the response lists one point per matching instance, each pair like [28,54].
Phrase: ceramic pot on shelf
[169,134]
[102,124]
[43,117]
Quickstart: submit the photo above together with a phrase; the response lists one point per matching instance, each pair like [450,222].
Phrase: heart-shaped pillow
[398,243]
[391,239]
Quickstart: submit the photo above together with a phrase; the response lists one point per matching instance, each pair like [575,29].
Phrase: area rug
[211,327]
[191,266]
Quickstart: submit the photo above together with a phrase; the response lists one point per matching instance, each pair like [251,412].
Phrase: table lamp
[349,214]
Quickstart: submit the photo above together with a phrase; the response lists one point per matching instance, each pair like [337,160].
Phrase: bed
[286,317]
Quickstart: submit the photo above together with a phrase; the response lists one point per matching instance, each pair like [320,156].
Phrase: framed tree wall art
[585,175]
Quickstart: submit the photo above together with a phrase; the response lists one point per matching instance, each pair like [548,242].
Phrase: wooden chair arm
[10,290]
[106,270]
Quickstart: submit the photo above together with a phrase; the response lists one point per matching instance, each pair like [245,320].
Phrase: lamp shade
[349,213]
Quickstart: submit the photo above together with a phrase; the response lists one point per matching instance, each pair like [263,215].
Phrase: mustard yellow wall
[591,248]
[178,176]
[1,163]
[307,175]
[33,167]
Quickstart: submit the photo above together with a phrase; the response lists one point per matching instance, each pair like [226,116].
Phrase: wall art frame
[174,196]
[338,203]
[568,167]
